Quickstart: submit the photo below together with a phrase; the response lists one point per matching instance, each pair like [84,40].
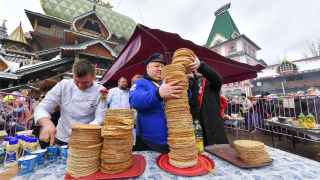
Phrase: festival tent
[146,41]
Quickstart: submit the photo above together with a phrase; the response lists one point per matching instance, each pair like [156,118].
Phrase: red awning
[146,41]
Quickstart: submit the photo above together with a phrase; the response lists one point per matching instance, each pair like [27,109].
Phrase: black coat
[210,120]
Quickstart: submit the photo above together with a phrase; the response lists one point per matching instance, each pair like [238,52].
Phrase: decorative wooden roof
[18,35]
[120,25]
[35,15]
[85,45]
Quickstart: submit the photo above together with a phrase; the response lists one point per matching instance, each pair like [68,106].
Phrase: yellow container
[12,151]
[199,144]
[33,146]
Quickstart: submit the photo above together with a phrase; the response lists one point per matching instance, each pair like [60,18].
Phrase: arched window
[91,25]
[13,47]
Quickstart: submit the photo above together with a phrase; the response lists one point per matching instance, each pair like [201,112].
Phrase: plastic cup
[40,153]
[64,152]
[52,153]
[26,164]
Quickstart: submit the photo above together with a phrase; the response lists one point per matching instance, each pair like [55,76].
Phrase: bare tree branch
[312,48]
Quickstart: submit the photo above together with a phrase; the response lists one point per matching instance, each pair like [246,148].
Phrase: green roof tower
[223,27]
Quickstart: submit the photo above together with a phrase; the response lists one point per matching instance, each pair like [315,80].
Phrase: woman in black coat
[208,111]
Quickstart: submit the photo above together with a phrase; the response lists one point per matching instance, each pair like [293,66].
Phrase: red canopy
[146,41]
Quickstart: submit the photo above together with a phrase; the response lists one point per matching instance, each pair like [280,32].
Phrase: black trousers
[143,145]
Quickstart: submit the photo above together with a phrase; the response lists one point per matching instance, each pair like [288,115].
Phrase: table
[286,166]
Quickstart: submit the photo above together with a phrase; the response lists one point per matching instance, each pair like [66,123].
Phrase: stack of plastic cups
[21,142]
[27,164]
[40,159]
[34,144]
[11,151]
[2,156]
[63,154]
[25,150]
[52,153]
[6,141]
[2,150]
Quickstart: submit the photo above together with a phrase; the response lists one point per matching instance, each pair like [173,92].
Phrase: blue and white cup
[64,152]
[2,156]
[40,153]
[52,153]
[26,164]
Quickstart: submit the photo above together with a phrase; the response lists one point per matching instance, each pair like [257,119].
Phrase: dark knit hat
[155,57]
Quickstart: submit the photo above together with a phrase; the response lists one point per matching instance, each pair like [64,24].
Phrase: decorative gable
[89,23]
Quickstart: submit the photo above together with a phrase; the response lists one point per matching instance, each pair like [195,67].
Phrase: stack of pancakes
[183,56]
[116,154]
[84,150]
[251,152]
[181,139]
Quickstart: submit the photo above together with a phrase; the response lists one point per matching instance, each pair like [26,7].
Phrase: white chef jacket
[76,106]
[118,98]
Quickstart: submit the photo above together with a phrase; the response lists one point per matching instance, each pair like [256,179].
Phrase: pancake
[116,154]
[181,139]
[251,152]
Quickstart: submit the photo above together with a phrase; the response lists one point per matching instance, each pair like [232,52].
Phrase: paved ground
[305,149]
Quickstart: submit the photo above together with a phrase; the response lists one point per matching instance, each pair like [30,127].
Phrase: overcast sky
[280,28]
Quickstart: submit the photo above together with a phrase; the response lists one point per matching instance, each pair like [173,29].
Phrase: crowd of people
[15,111]
[255,110]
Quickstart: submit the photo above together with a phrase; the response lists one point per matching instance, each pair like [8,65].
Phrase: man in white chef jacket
[118,97]
[80,101]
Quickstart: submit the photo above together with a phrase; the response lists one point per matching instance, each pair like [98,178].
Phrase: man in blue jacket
[146,96]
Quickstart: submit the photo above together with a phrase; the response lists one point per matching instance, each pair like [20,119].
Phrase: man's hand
[193,66]
[170,90]
[47,131]
[103,91]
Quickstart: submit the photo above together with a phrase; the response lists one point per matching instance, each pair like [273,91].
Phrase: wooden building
[69,30]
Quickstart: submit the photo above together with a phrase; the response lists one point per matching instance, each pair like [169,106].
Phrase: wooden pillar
[76,56]
[35,25]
